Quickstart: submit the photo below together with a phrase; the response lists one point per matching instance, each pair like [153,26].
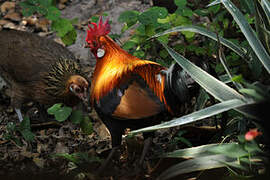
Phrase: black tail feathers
[180,86]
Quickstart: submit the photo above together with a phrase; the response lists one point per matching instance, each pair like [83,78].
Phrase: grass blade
[193,152]
[249,34]
[197,164]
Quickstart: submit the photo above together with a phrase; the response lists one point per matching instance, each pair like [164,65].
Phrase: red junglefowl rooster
[39,69]
[128,92]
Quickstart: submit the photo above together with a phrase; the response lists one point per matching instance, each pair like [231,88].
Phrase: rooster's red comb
[98,30]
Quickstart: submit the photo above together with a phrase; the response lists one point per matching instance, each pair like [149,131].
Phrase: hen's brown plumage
[39,69]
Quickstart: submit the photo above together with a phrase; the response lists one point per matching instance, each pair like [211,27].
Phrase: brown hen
[39,69]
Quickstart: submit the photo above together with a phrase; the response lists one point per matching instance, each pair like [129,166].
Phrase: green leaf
[150,16]
[232,150]
[62,27]
[139,53]
[197,164]
[128,45]
[180,3]
[187,12]
[128,16]
[192,152]
[86,125]
[188,34]
[70,37]
[27,135]
[164,39]
[77,116]
[56,107]
[25,124]
[238,79]
[25,129]
[53,13]
[63,113]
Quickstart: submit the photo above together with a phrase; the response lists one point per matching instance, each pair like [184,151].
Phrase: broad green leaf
[25,129]
[197,164]
[70,37]
[180,3]
[128,45]
[232,150]
[25,124]
[53,13]
[128,16]
[27,135]
[192,152]
[52,110]
[152,14]
[63,113]
[250,35]
[196,29]
[195,116]
[62,26]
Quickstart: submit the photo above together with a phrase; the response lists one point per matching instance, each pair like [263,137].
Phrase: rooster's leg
[19,113]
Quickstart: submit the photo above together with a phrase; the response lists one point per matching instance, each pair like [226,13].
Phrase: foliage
[62,26]
[62,113]
[243,156]
[77,163]
[24,129]
[247,69]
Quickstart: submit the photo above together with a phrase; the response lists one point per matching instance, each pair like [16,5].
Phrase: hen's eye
[75,89]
